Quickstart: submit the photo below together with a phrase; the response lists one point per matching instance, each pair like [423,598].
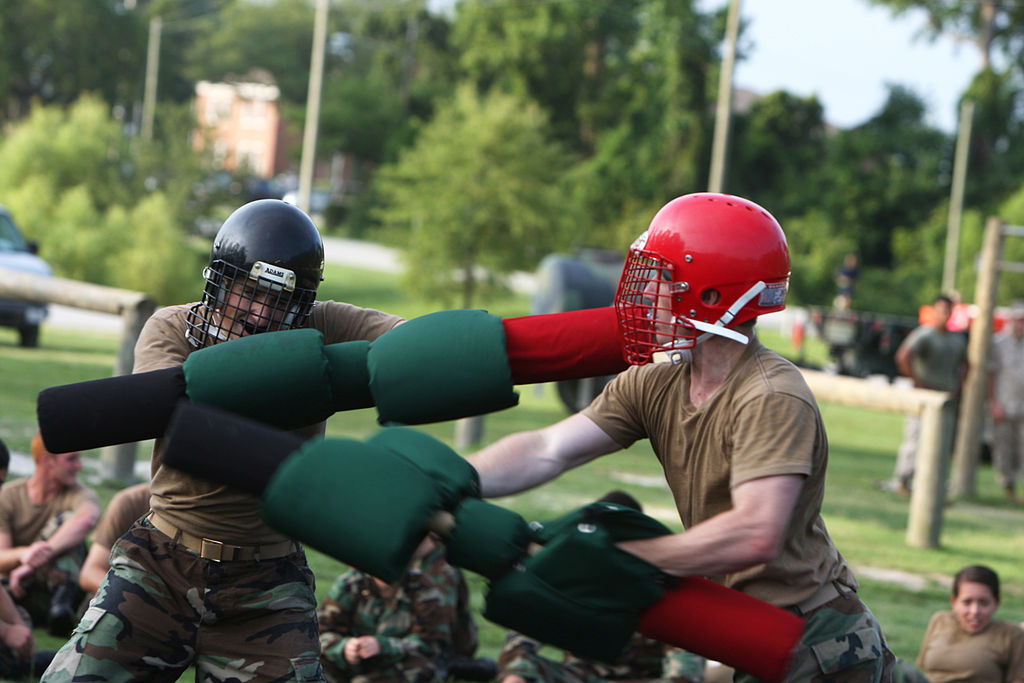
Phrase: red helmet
[706,262]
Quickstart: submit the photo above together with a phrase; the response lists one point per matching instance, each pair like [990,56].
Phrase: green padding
[357,503]
[581,592]
[350,378]
[441,366]
[454,477]
[278,378]
[487,539]
[524,602]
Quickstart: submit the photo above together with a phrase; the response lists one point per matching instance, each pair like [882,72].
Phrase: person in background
[373,631]
[933,358]
[127,505]
[44,521]
[457,661]
[966,643]
[1006,401]
[642,659]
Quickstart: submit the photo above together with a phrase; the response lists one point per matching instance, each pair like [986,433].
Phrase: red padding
[557,346]
[726,626]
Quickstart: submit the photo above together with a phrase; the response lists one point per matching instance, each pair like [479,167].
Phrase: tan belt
[218,551]
[827,593]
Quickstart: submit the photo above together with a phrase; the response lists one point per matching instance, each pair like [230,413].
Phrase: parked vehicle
[17,253]
[587,278]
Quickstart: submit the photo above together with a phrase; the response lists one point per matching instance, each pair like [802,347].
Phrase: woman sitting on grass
[966,643]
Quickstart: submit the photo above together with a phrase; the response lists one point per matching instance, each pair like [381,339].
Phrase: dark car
[17,253]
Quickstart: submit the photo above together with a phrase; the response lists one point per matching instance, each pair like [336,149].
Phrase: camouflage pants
[842,641]
[162,608]
[638,661]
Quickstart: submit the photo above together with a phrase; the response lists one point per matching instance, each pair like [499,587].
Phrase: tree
[52,52]
[93,201]
[274,36]
[887,173]
[778,150]
[480,189]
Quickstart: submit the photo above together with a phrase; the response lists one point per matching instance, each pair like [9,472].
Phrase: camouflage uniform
[641,659]
[412,625]
[455,592]
[148,623]
[839,642]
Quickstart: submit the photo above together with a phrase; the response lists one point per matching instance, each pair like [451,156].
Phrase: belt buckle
[206,550]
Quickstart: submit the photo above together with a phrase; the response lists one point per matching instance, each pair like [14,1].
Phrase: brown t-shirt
[124,508]
[202,507]
[763,421]
[25,521]
[949,654]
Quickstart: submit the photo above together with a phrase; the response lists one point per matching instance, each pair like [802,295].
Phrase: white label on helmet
[281,277]
[640,242]
[773,294]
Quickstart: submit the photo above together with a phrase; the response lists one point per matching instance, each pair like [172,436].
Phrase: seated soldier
[44,520]
[457,661]
[127,505]
[373,631]
[642,659]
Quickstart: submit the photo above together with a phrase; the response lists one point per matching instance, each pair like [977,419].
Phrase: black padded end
[226,448]
[104,412]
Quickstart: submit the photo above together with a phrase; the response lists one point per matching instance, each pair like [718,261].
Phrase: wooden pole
[723,112]
[927,500]
[956,198]
[116,462]
[972,408]
[307,164]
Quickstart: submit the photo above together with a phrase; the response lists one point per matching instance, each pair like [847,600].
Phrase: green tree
[887,173]
[273,36]
[778,150]
[94,202]
[481,190]
[52,52]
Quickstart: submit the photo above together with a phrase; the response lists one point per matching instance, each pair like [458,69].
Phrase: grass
[903,585]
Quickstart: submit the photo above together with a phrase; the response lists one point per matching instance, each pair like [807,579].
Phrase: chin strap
[678,355]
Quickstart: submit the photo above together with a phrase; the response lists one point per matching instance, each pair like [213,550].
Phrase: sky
[845,51]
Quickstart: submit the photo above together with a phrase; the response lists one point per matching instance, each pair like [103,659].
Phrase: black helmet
[266,264]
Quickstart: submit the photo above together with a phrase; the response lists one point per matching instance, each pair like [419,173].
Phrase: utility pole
[152,69]
[316,77]
[956,196]
[723,113]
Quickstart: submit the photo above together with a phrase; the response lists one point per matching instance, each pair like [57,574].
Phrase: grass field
[903,585]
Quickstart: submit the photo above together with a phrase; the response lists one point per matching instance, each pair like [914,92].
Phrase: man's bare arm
[750,533]
[75,528]
[527,459]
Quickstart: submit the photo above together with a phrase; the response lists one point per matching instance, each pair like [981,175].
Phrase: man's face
[64,467]
[657,296]
[942,312]
[974,606]
[250,310]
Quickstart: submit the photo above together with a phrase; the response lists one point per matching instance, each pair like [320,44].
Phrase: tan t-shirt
[763,421]
[124,508]
[25,521]
[202,507]
[949,654]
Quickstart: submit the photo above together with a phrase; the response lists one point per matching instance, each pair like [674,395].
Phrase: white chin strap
[719,328]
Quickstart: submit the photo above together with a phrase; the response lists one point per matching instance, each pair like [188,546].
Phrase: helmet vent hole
[710,297]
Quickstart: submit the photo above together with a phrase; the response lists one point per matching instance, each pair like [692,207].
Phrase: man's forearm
[513,464]
[74,530]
